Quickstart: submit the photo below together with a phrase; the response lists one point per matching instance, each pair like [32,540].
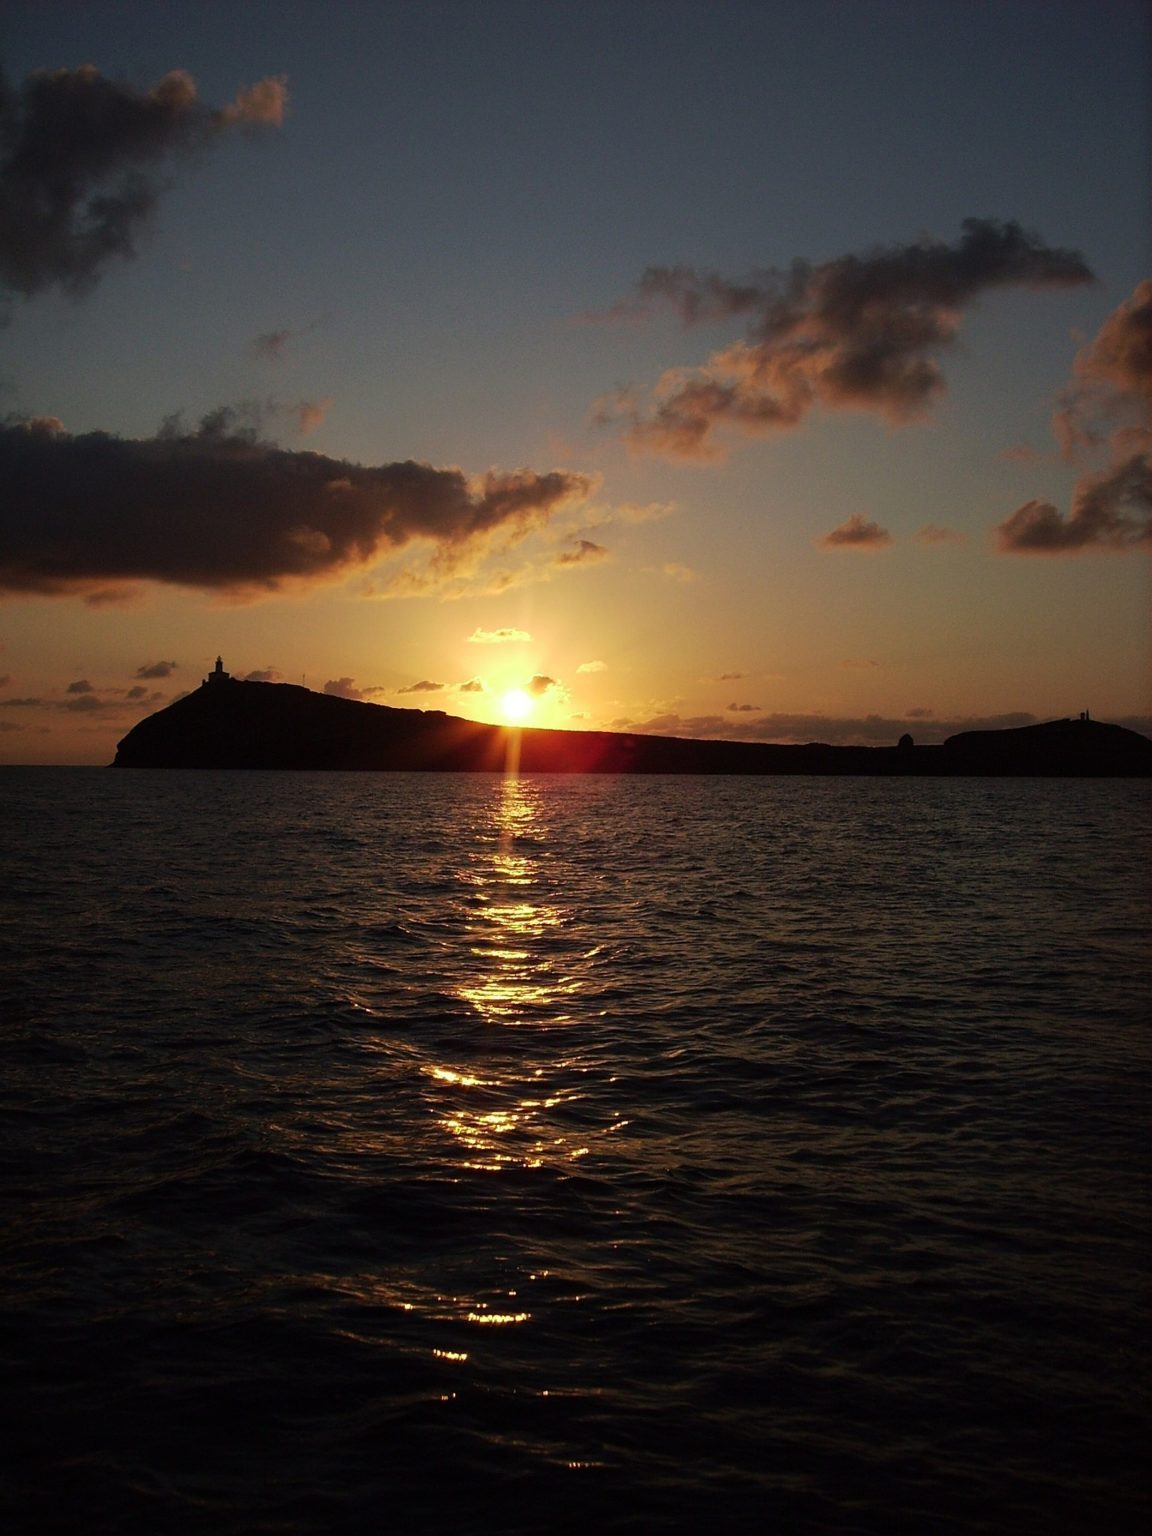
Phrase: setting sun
[516,705]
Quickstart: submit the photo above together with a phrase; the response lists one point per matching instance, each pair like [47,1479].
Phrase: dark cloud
[473,685]
[20,703]
[539,685]
[423,687]
[136,693]
[5,680]
[11,725]
[81,685]
[730,677]
[156,669]
[343,688]
[856,533]
[744,709]
[77,159]
[217,509]
[263,675]
[861,332]
[1110,511]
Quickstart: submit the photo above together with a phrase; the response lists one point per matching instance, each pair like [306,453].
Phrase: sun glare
[516,705]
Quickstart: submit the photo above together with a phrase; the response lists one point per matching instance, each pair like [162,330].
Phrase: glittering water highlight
[495,1154]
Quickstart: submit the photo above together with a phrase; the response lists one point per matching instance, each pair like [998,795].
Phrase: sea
[474,1153]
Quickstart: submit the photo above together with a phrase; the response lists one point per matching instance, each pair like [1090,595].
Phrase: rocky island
[230,724]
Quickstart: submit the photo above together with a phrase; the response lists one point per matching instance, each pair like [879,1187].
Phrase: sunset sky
[771,370]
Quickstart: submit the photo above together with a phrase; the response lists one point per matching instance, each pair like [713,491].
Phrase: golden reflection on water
[502,1116]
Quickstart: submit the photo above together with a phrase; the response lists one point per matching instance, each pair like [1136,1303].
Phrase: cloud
[677,572]
[269,345]
[859,332]
[798,729]
[20,703]
[423,687]
[136,693]
[730,677]
[539,685]
[156,669]
[310,414]
[473,685]
[1110,511]
[217,509]
[1111,389]
[932,534]
[498,637]
[584,553]
[744,709]
[77,155]
[592,666]
[343,688]
[5,680]
[856,533]
[263,675]
[1108,406]
[81,685]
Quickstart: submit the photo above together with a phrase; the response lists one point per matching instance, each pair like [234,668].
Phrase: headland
[231,724]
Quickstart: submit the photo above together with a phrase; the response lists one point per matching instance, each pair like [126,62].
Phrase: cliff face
[277,725]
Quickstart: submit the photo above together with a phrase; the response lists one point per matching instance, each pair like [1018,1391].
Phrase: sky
[772,371]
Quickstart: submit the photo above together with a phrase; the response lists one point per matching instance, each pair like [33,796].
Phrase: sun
[516,705]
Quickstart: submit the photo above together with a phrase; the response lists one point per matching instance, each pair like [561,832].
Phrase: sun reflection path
[504,1115]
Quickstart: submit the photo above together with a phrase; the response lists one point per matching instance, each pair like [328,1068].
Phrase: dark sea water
[431,1153]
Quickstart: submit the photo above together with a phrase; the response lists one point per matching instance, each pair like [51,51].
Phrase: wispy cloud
[499,637]
[856,533]
[77,152]
[859,332]
[154,669]
[934,535]
[424,686]
[592,666]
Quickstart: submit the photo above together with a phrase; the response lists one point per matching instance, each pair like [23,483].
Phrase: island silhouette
[226,723]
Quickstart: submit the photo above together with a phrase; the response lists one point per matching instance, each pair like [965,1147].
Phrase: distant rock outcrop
[230,724]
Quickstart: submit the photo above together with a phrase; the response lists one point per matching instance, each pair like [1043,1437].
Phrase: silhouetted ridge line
[231,724]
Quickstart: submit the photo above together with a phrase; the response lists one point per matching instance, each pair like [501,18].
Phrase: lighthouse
[217,675]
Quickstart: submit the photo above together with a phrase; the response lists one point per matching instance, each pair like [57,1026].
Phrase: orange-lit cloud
[424,686]
[932,534]
[1110,511]
[860,332]
[76,152]
[498,637]
[343,688]
[592,666]
[583,553]
[263,675]
[856,533]
[310,414]
[1106,412]
[218,509]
